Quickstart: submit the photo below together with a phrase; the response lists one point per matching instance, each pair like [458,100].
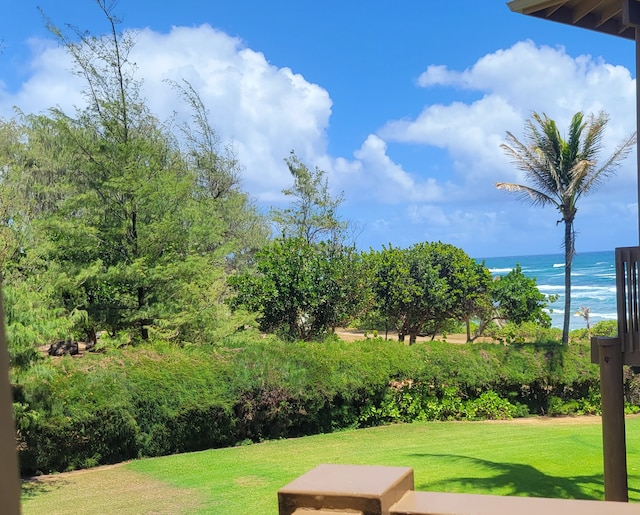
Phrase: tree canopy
[303,290]
[313,214]
[125,221]
[418,289]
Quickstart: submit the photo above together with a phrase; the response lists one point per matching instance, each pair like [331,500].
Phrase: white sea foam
[604,316]
[551,287]
[500,270]
[593,282]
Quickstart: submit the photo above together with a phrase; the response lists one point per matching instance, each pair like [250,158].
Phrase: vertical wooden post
[613,432]
[638,119]
[9,475]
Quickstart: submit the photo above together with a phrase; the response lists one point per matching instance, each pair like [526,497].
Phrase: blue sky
[404,104]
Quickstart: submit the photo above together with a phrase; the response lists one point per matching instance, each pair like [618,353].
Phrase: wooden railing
[628,303]
[377,490]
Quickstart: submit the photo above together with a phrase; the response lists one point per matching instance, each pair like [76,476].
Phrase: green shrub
[490,406]
[106,435]
[605,328]
[558,406]
[524,332]
[158,399]
[608,328]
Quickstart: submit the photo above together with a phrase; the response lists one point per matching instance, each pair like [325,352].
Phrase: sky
[404,104]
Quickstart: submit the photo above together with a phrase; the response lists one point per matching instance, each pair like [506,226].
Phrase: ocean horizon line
[546,254]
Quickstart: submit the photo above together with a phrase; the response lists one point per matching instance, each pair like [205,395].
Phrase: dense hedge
[156,400]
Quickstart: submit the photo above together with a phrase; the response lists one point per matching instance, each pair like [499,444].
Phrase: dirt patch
[251,481]
[107,489]
[578,420]
[351,335]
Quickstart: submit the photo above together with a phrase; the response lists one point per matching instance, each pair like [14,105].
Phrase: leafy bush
[409,402]
[523,332]
[105,435]
[490,406]
[607,328]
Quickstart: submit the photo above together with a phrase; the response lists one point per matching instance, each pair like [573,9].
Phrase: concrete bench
[378,490]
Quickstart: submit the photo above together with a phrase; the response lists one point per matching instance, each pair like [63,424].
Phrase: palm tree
[561,171]
[585,313]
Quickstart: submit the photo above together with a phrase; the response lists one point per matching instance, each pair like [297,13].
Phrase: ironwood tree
[127,222]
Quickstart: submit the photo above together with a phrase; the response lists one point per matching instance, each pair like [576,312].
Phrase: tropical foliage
[133,236]
[418,289]
[161,399]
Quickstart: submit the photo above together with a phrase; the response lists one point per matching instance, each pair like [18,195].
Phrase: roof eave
[608,21]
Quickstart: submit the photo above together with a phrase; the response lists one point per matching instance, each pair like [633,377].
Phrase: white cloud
[265,110]
[471,134]
[513,83]
[375,176]
[50,83]
[542,78]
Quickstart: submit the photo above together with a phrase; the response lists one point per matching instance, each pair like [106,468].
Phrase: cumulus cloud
[471,134]
[265,111]
[513,83]
[542,78]
[465,208]
[385,180]
[49,84]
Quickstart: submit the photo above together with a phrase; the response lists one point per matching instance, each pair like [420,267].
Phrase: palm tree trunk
[568,258]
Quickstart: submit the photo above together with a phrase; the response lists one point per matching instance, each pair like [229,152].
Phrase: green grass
[542,458]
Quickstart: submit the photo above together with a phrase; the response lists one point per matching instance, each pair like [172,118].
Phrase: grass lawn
[533,457]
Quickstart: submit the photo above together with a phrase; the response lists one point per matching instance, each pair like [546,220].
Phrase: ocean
[593,282]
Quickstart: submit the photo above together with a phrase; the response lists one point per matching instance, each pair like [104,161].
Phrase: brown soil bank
[351,335]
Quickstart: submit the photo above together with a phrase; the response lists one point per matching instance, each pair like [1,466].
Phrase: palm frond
[549,140]
[571,150]
[580,171]
[529,194]
[598,175]
[523,157]
[592,143]
[532,161]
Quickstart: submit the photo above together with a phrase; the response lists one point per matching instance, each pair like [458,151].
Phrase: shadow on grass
[517,479]
[33,487]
